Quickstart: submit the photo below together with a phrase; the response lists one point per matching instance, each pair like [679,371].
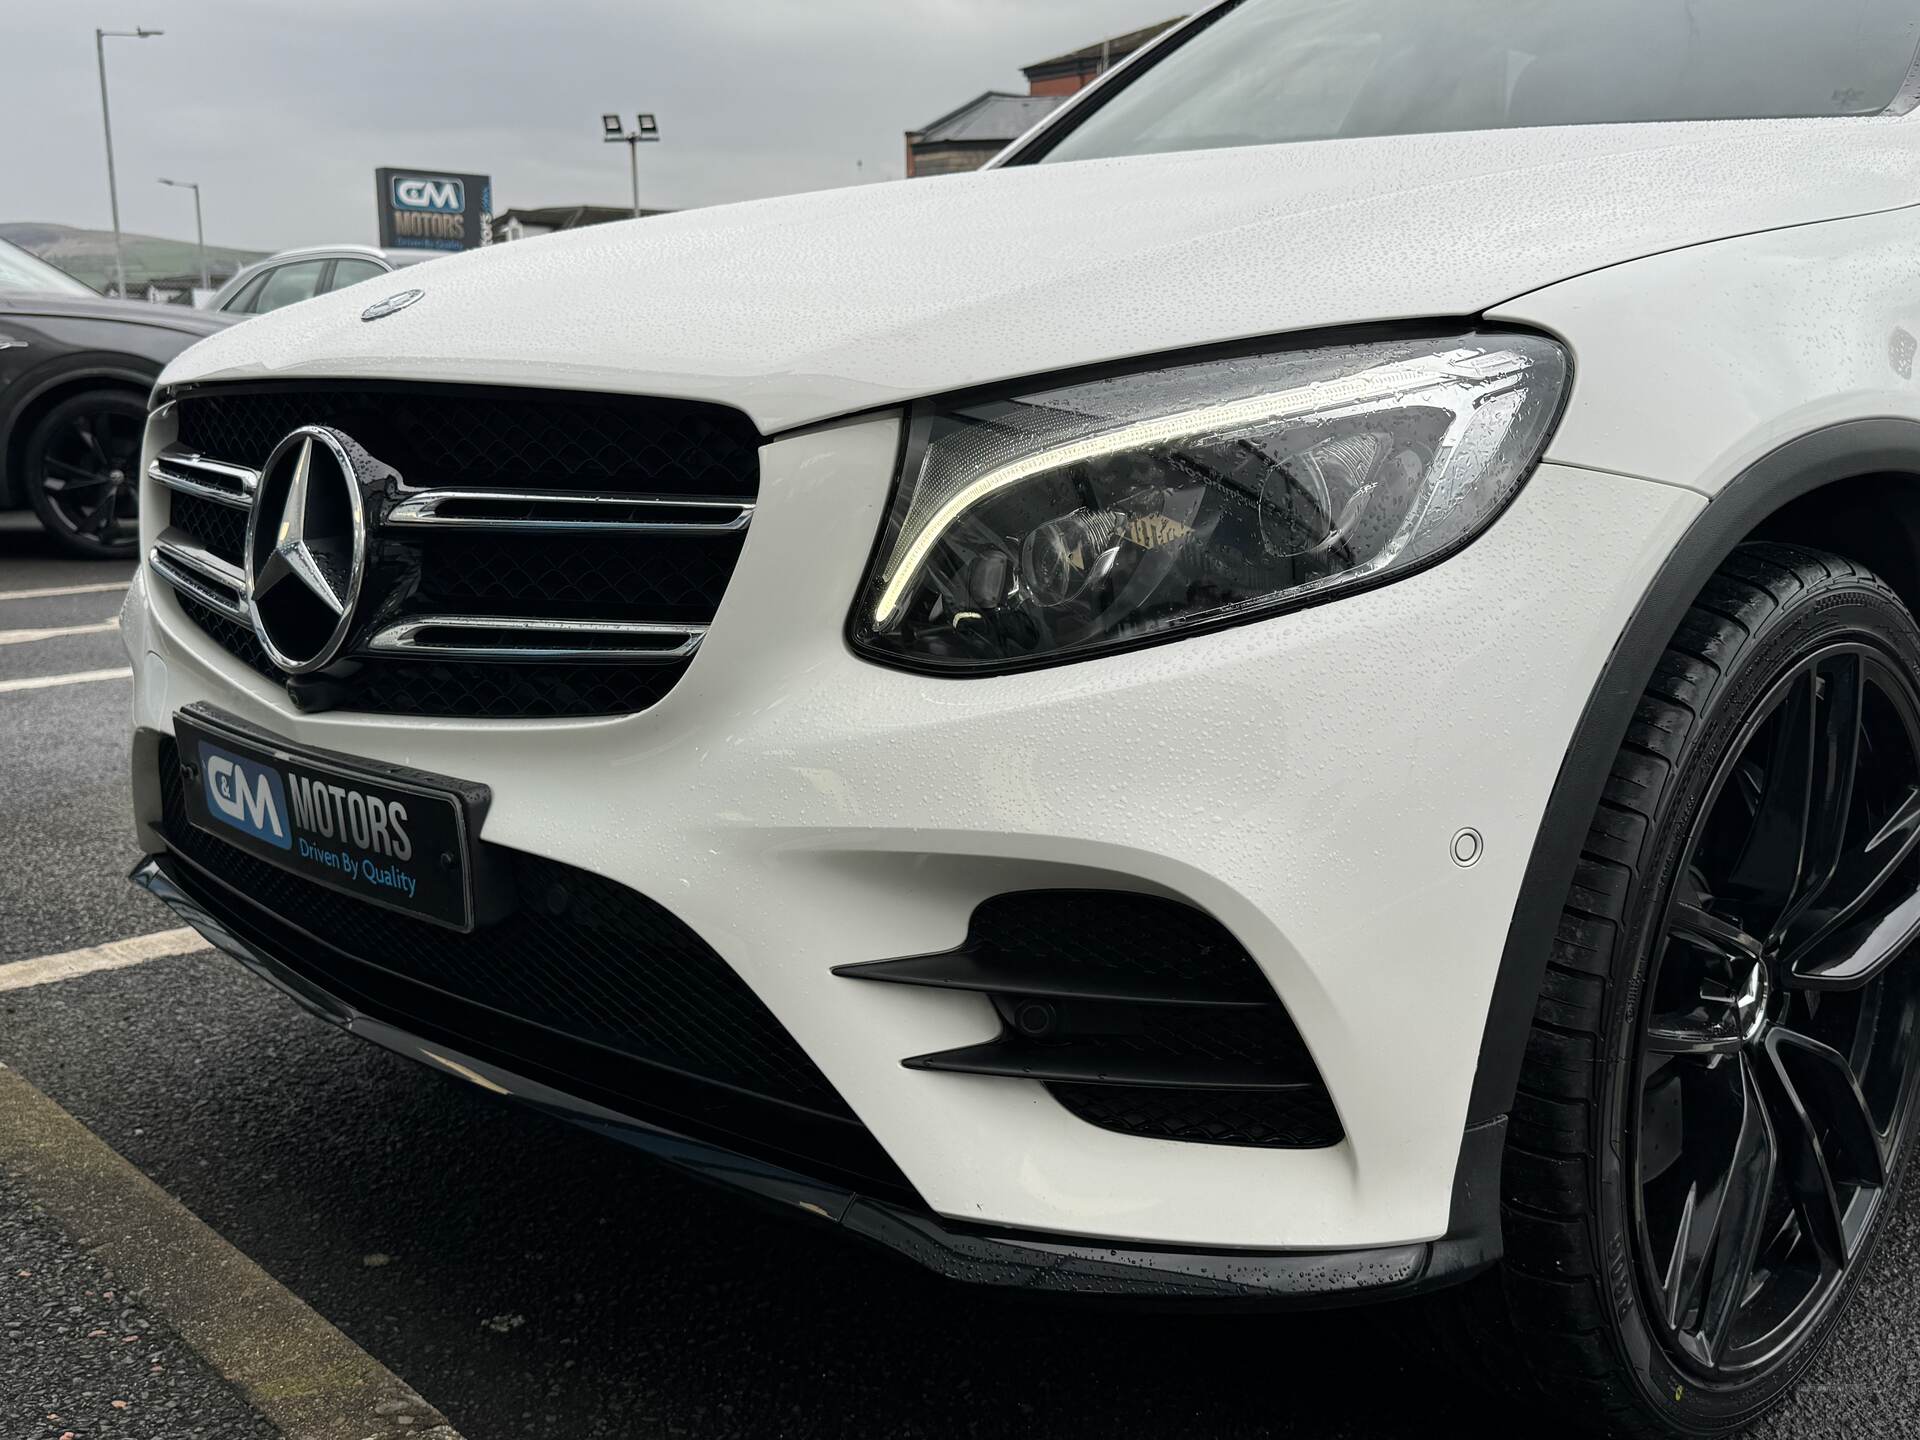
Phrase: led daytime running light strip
[1382,381]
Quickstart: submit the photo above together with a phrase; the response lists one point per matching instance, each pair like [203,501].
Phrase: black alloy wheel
[83,472]
[1718,1097]
[1778,1045]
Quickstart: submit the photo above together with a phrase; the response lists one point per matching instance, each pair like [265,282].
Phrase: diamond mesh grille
[475,438]
[666,578]
[221,528]
[237,640]
[509,692]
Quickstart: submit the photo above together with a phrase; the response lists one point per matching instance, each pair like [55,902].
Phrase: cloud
[282,108]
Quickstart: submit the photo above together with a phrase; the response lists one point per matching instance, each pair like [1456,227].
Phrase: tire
[82,472]
[1633,1089]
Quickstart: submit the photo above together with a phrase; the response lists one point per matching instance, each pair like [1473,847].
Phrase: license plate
[383,834]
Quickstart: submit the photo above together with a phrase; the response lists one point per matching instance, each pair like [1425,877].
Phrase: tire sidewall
[1850,609]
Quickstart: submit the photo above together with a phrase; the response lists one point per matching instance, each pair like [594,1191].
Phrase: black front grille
[236,639]
[579,954]
[576,577]
[493,439]
[508,692]
[468,438]
[221,528]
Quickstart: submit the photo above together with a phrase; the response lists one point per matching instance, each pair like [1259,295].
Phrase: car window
[22,270]
[241,301]
[285,284]
[352,272]
[1269,71]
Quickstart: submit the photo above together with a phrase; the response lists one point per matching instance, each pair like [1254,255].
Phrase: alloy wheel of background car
[1718,1094]
[83,472]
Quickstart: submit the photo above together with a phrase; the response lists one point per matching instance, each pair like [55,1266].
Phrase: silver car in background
[295,275]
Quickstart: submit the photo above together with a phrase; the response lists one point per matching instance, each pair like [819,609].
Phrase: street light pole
[100,38]
[199,231]
[613,129]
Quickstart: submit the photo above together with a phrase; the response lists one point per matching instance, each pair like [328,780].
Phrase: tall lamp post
[100,38]
[199,231]
[614,131]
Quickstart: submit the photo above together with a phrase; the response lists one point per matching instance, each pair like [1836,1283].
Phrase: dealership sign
[433,210]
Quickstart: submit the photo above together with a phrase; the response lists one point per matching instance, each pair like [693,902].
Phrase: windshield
[1268,71]
[21,271]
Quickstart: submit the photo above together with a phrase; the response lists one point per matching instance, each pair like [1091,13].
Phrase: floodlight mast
[614,131]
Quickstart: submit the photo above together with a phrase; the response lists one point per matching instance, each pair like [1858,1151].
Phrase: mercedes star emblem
[306,549]
[380,309]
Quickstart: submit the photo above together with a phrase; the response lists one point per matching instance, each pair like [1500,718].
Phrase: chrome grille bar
[572,511]
[200,573]
[516,639]
[194,474]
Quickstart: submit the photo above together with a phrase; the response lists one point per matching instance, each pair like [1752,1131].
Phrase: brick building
[524,224]
[1077,69]
[966,138]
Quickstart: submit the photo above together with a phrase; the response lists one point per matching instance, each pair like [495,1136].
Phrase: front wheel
[1718,1096]
[83,472]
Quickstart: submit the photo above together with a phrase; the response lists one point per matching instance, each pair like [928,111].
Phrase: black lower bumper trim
[1055,1264]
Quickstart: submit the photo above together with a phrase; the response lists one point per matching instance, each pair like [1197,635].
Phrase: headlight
[1066,521]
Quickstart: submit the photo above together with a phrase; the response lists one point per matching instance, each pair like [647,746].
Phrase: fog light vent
[1139,1014]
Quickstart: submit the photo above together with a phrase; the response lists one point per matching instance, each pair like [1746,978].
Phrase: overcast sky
[282,108]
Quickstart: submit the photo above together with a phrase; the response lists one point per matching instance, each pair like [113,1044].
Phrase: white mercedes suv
[1305,691]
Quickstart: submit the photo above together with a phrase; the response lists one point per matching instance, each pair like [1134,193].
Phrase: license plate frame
[266,788]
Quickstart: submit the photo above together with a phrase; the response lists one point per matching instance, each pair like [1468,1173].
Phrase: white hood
[811,306]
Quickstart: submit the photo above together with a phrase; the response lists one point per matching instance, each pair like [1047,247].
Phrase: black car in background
[75,369]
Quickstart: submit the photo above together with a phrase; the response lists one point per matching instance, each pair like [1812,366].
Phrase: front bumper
[1300,780]
[1038,1263]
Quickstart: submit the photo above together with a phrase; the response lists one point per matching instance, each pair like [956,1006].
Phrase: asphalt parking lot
[531,1280]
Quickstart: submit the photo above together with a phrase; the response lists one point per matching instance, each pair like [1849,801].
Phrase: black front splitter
[1028,1261]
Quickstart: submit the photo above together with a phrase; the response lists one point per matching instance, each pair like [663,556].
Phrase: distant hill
[88,254]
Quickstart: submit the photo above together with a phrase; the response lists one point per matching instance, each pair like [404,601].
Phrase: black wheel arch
[1853,488]
[33,396]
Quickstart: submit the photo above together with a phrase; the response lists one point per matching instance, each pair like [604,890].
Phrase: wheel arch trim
[1841,452]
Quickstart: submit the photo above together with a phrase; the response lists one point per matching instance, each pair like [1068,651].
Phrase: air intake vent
[1139,1014]
[586,985]
[542,554]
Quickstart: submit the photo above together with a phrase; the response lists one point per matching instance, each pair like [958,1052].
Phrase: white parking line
[116,955]
[79,677]
[54,632]
[54,592]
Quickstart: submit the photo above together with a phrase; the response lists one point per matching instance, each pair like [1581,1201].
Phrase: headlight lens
[1093,516]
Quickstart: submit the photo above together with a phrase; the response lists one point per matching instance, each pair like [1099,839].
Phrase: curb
[301,1374]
